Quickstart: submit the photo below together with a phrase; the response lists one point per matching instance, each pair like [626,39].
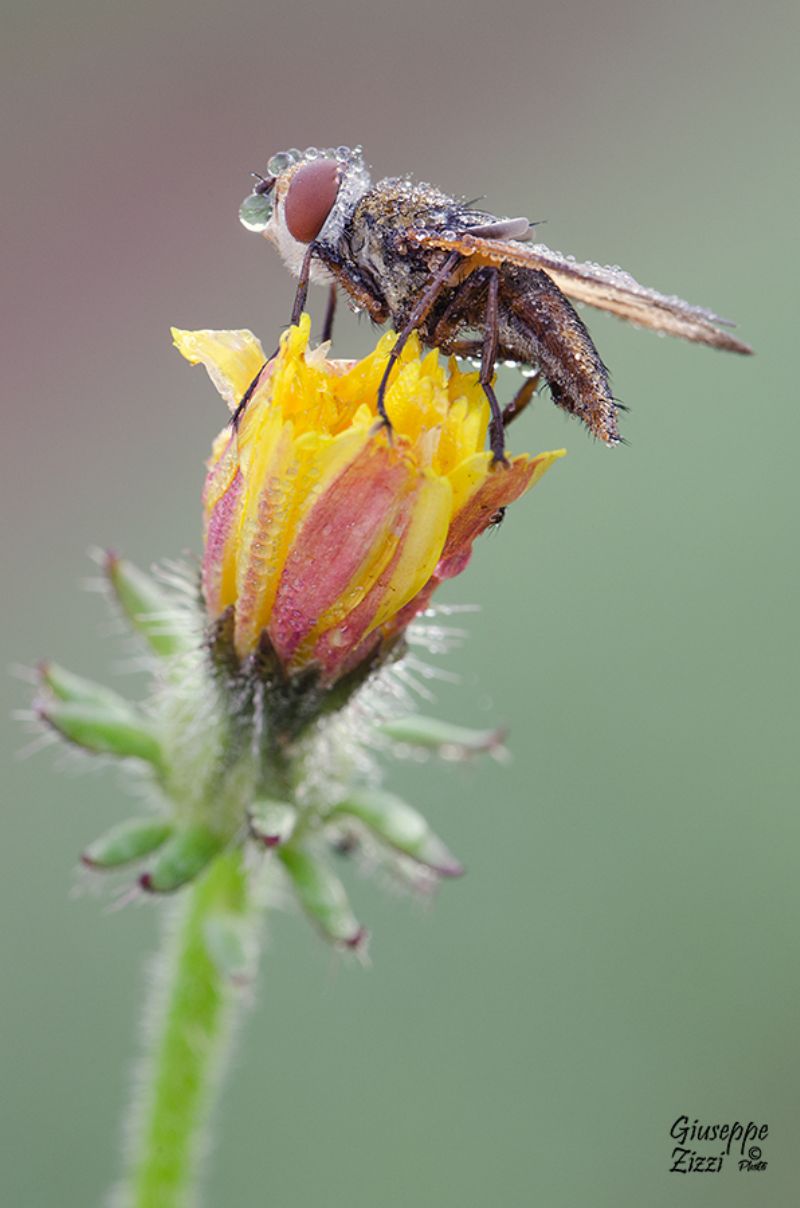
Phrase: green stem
[187,1038]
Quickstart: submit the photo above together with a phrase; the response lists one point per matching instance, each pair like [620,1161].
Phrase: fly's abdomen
[540,327]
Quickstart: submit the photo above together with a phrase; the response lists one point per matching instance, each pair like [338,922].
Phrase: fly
[470,283]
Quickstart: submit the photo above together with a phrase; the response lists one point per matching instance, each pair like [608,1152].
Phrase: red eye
[310,198]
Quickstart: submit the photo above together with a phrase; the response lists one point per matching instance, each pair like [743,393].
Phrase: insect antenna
[265,183]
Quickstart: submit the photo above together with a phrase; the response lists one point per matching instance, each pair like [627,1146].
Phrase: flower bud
[104,729]
[181,859]
[272,821]
[322,897]
[322,535]
[325,536]
[131,840]
[448,741]
[401,826]
[147,607]
[66,686]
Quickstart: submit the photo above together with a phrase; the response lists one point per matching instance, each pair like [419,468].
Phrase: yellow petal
[232,358]
[467,477]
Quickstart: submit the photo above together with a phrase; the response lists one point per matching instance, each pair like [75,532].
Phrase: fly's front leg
[297,310]
[488,359]
[361,291]
[241,406]
[418,313]
[302,284]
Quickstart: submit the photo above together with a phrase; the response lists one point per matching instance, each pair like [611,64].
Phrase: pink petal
[350,521]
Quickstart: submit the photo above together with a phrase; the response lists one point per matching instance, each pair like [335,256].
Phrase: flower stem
[188,1034]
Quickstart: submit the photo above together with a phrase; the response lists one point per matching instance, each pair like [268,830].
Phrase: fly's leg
[521,399]
[470,350]
[245,399]
[466,350]
[488,358]
[463,301]
[302,285]
[297,310]
[330,311]
[423,304]
[458,308]
[361,292]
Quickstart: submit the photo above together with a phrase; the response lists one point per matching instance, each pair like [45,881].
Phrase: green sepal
[271,821]
[230,945]
[119,730]
[66,686]
[322,897]
[181,859]
[449,741]
[146,606]
[402,827]
[130,841]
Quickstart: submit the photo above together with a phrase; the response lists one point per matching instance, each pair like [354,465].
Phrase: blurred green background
[625,947]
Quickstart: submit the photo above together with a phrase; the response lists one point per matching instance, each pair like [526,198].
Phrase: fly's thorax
[409,204]
[375,241]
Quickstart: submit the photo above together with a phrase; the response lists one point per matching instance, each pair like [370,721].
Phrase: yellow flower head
[321,531]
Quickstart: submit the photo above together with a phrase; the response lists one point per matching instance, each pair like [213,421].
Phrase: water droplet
[343,152]
[279,163]
[311,153]
[255,212]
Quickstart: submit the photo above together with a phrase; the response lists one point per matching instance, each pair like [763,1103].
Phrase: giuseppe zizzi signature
[736,1143]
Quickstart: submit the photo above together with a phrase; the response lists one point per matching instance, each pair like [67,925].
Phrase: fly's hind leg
[465,297]
[521,399]
[488,358]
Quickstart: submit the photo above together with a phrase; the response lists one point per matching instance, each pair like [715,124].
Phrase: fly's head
[305,195]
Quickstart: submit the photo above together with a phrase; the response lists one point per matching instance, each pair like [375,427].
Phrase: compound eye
[309,201]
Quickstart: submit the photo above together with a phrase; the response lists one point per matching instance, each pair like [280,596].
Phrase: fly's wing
[609,289]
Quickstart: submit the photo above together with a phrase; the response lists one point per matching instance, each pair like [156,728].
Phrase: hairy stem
[188,1035]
